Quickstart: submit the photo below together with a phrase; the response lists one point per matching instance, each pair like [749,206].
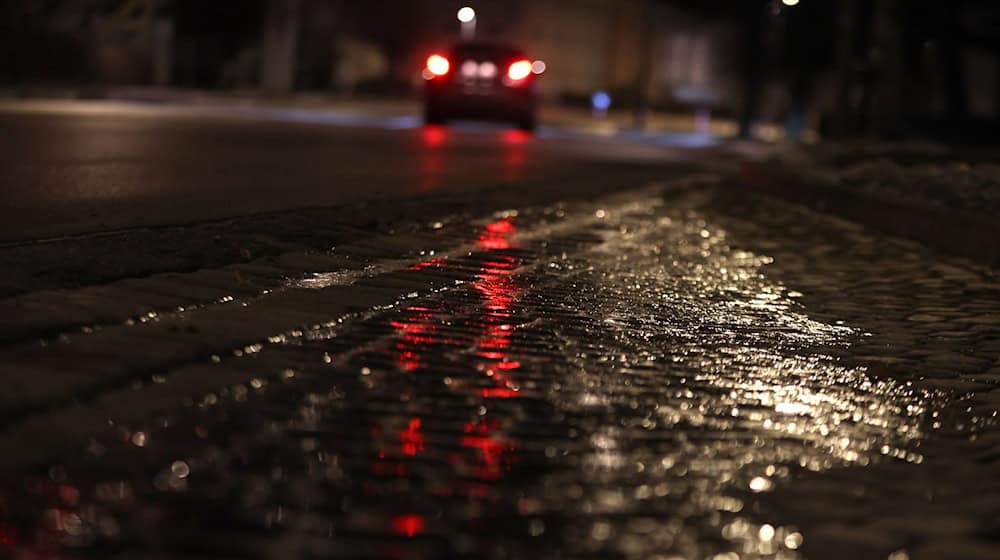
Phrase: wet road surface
[82,167]
[674,371]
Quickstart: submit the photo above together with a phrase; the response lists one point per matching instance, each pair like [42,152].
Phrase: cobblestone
[669,373]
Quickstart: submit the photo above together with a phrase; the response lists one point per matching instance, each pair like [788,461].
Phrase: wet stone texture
[672,373]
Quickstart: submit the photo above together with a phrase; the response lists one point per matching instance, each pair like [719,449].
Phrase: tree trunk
[753,31]
[280,45]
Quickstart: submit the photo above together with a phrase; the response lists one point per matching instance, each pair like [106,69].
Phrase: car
[478,80]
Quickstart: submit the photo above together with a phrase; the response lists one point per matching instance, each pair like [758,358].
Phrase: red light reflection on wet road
[514,137]
[485,453]
[8,536]
[494,454]
[515,154]
[410,439]
[432,163]
[499,292]
[417,328]
[443,155]
[410,524]
[433,136]
[496,235]
[432,263]
[411,443]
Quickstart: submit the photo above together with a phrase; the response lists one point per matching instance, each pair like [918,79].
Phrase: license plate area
[478,76]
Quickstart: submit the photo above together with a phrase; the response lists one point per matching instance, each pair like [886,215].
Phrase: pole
[280,45]
[754,14]
[467,17]
[644,71]
[469,30]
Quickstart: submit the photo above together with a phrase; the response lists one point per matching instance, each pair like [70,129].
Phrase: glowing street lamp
[467,16]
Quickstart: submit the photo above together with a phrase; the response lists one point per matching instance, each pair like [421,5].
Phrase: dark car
[480,81]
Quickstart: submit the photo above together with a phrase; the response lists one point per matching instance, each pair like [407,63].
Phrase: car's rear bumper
[502,103]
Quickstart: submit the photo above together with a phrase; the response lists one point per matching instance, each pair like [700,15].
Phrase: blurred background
[770,69]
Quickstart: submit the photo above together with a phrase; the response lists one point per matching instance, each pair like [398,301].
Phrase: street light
[467,16]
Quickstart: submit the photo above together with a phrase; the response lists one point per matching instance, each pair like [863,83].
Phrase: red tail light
[438,65]
[519,70]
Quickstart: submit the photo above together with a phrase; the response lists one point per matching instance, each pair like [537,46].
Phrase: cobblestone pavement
[678,371]
[946,198]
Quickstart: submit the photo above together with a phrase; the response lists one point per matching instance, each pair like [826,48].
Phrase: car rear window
[485,52]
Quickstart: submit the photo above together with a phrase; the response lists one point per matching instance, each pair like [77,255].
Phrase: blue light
[600,100]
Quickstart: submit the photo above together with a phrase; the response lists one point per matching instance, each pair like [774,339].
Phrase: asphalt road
[74,167]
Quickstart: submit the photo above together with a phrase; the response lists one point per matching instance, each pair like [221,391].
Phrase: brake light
[438,65]
[519,70]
